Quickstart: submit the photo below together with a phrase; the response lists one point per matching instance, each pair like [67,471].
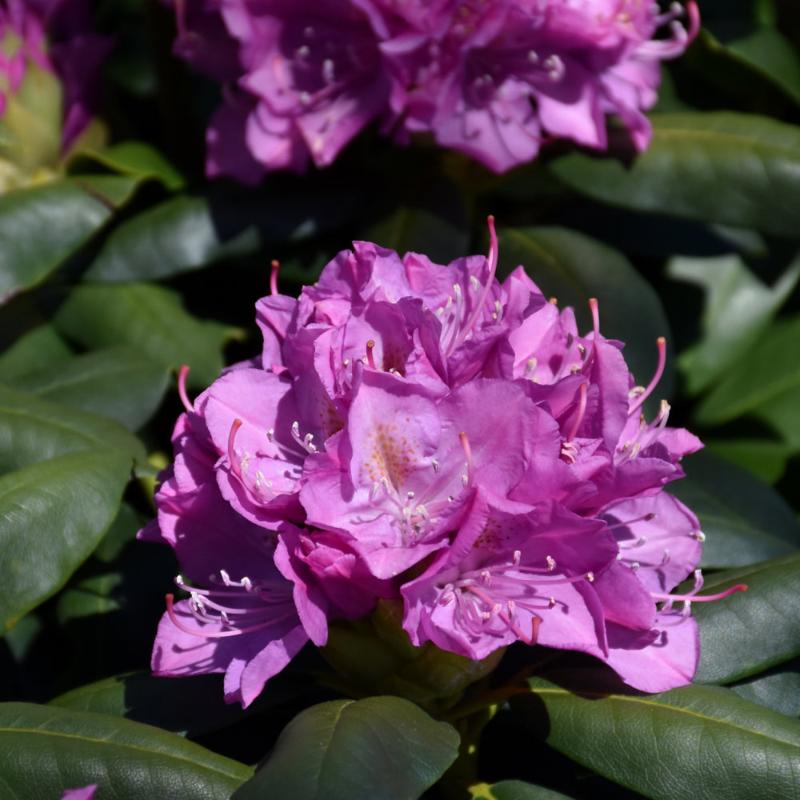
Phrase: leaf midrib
[110,742]
[667,707]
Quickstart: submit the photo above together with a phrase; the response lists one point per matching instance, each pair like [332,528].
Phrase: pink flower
[424,433]
[493,80]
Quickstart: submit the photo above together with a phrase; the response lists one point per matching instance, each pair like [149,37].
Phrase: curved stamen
[584,388]
[370,354]
[661,344]
[201,634]
[594,307]
[464,439]
[183,373]
[235,425]
[273,276]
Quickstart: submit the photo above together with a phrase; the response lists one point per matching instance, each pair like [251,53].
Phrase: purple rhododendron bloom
[492,79]
[54,36]
[430,435]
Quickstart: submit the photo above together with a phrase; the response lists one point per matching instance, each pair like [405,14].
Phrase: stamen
[237,423]
[595,309]
[644,518]
[705,598]
[183,374]
[661,343]
[467,453]
[273,276]
[370,354]
[584,388]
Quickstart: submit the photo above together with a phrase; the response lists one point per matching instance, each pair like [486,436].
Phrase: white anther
[551,563]
[590,577]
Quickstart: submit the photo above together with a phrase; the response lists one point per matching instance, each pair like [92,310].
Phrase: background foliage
[131,264]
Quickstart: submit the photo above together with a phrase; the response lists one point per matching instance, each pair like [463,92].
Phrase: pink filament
[203,634]
[183,373]
[370,354]
[237,423]
[661,343]
[273,276]
[705,598]
[594,307]
[464,439]
[581,411]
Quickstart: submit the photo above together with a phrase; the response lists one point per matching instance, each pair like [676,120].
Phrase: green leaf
[695,743]
[177,236]
[149,318]
[137,159]
[122,532]
[778,690]
[52,515]
[116,382]
[420,230]
[40,228]
[770,52]
[574,268]
[32,430]
[768,370]
[782,414]
[736,169]
[194,708]
[45,750]
[36,349]
[744,520]
[763,458]
[383,748]
[738,310]
[514,790]
[750,631]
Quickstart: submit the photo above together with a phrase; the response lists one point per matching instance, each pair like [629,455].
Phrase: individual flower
[492,80]
[428,435]
[49,69]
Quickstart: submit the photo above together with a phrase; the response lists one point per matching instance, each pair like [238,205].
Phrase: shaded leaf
[32,430]
[744,520]
[768,370]
[764,458]
[149,318]
[137,159]
[116,382]
[383,748]
[738,309]
[36,349]
[52,515]
[695,743]
[778,689]
[737,169]
[574,267]
[41,227]
[782,413]
[514,790]
[45,749]
[768,51]
[122,532]
[751,631]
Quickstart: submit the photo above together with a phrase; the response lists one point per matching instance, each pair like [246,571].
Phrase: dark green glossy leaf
[149,318]
[768,51]
[514,790]
[695,743]
[137,159]
[738,309]
[176,236]
[744,520]
[52,515]
[764,458]
[33,430]
[768,370]
[40,228]
[420,230]
[45,750]
[383,748]
[116,382]
[574,268]
[121,533]
[36,349]
[750,631]
[778,689]
[737,169]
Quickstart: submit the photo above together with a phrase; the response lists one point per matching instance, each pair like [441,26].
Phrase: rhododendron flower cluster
[427,434]
[491,79]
